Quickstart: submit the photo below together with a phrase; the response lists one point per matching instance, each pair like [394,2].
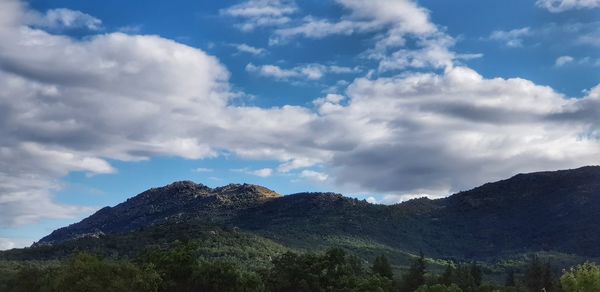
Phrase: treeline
[178,269]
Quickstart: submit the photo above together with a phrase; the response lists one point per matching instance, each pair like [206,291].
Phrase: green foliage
[538,276]
[510,279]
[415,277]
[333,271]
[221,276]
[174,266]
[181,271]
[467,277]
[582,278]
[439,288]
[89,273]
[381,266]
[182,267]
[86,273]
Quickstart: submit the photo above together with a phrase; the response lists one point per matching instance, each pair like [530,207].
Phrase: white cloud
[62,18]
[244,48]
[589,61]
[314,175]
[330,103]
[263,172]
[131,29]
[512,38]
[372,200]
[393,21]
[10,243]
[590,37]
[403,17]
[563,60]
[296,164]
[583,61]
[309,71]
[261,13]
[469,56]
[458,130]
[556,6]
[433,53]
[202,169]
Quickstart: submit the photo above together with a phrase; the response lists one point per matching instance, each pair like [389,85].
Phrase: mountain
[178,202]
[537,212]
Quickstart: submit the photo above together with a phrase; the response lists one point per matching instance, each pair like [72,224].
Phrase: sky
[383,100]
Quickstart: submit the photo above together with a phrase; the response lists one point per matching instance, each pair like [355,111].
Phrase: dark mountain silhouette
[545,211]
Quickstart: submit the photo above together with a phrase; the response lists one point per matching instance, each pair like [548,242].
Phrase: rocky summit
[178,202]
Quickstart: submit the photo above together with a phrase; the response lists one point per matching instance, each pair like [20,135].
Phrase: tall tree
[381,266]
[415,277]
[446,277]
[475,271]
[510,279]
[538,276]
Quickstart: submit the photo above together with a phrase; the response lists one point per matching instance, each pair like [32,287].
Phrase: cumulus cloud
[261,13]
[245,48]
[62,18]
[314,175]
[563,60]
[583,61]
[309,71]
[512,38]
[393,22]
[426,126]
[263,172]
[404,17]
[556,6]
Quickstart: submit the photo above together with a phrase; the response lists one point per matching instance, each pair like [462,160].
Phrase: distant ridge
[554,211]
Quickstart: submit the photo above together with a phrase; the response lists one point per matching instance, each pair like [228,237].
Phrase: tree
[446,277]
[175,266]
[88,273]
[381,266]
[415,277]
[538,276]
[582,278]
[29,278]
[467,277]
[476,274]
[510,279]
[333,271]
[221,276]
[439,288]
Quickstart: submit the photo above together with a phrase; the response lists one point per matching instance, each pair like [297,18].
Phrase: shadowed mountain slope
[546,211]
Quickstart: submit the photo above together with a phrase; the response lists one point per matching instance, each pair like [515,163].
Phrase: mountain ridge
[540,211]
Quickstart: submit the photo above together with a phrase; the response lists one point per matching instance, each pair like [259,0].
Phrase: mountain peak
[185,184]
[255,191]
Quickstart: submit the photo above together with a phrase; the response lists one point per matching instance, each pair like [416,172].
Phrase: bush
[582,278]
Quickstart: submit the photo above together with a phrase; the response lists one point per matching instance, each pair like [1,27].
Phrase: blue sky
[382,100]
